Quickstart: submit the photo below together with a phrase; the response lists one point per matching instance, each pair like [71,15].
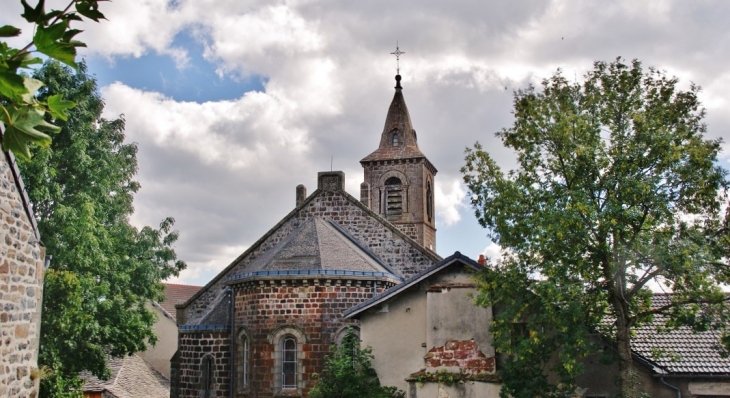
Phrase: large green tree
[616,190]
[104,270]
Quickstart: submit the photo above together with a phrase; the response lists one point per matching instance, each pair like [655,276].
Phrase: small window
[242,367]
[395,138]
[206,376]
[289,363]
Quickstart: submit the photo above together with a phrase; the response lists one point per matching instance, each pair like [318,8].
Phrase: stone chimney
[331,180]
[482,260]
[301,194]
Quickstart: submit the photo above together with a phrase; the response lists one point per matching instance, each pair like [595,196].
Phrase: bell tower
[399,179]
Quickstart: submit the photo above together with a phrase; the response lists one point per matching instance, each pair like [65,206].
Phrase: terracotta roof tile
[175,294]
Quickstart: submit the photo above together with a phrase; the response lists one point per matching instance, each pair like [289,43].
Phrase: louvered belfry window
[393,197]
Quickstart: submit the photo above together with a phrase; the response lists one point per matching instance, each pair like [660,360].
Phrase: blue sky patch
[197,81]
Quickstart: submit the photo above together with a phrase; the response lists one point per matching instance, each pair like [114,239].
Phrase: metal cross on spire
[397,54]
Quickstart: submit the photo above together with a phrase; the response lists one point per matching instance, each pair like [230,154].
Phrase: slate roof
[395,290]
[131,377]
[318,245]
[175,294]
[399,119]
[684,352]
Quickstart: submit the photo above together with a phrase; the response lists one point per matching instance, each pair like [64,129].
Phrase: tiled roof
[679,351]
[131,377]
[175,294]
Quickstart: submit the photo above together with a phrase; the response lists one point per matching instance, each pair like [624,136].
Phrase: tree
[104,271]
[22,114]
[617,189]
[348,373]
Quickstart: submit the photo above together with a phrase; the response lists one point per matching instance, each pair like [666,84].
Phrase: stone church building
[264,325]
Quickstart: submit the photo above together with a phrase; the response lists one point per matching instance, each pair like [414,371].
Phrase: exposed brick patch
[464,355]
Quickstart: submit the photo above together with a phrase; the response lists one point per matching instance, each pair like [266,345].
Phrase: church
[264,325]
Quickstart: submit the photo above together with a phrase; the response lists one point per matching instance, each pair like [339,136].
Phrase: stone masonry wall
[21,284]
[395,251]
[192,347]
[312,307]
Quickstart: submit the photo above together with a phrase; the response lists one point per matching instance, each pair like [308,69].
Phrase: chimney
[301,194]
[482,260]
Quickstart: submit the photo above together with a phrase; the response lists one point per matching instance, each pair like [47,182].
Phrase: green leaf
[9,31]
[58,106]
[33,15]
[69,34]
[48,41]
[32,85]
[12,87]
[89,10]
[22,126]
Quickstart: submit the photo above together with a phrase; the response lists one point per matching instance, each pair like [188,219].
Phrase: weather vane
[397,54]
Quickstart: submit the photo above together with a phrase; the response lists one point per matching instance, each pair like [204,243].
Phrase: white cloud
[227,169]
[449,198]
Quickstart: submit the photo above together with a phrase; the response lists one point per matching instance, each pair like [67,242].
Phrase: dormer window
[395,138]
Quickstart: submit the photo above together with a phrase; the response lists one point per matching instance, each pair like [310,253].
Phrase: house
[264,325]
[434,331]
[160,355]
[438,344]
[22,259]
[145,373]
[131,377]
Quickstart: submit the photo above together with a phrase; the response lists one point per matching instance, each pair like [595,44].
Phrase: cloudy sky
[235,102]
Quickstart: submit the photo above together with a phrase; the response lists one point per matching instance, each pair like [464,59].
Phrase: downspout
[679,393]
[231,370]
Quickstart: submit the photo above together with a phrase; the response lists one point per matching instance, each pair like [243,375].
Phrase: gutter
[231,370]
[679,393]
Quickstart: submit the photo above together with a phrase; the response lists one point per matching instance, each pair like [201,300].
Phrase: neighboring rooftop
[131,377]
[682,350]
[176,294]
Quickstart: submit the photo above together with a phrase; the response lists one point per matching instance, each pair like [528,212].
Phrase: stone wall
[21,284]
[388,244]
[193,347]
[266,311]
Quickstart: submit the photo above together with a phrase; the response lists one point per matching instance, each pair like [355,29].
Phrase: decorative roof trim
[394,291]
[203,328]
[246,276]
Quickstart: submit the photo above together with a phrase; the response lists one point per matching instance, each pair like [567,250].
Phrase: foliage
[348,373]
[103,270]
[22,114]
[616,188]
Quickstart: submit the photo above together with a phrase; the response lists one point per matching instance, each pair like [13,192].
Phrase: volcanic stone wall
[193,347]
[310,310]
[21,284]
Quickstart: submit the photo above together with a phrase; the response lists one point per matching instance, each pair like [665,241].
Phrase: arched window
[243,362]
[393,197]
[395,139]
[289,363]
[206,376]
[288,342]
